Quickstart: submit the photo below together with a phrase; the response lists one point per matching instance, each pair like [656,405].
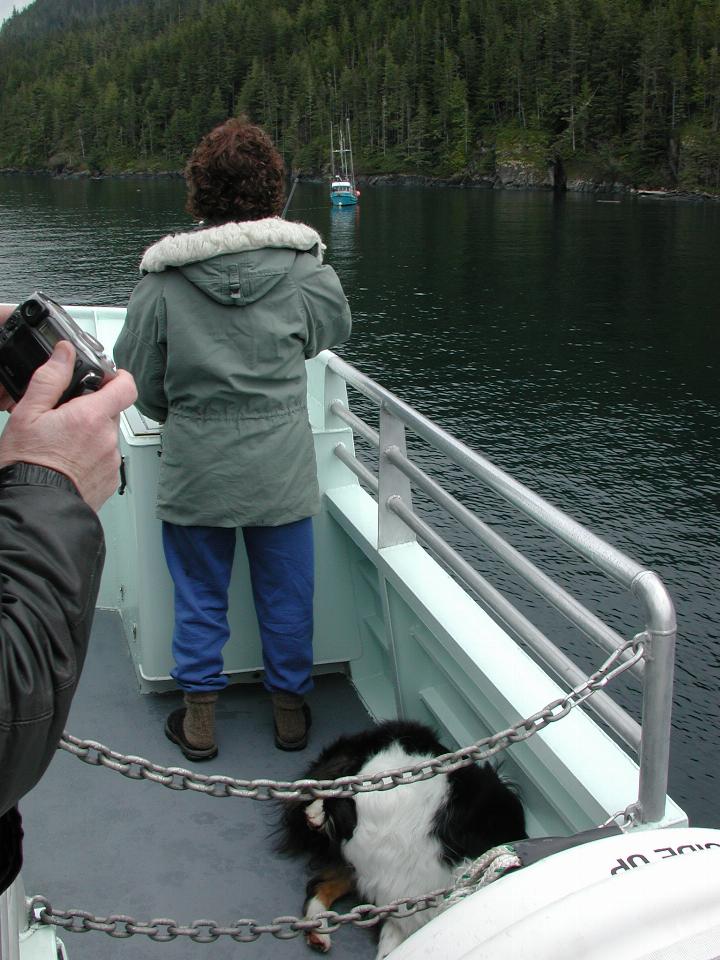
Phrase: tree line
[615,89]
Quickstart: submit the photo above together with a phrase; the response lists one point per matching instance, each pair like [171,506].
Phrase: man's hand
[80,438]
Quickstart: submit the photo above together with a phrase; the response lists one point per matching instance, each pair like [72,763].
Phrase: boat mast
[352,169]
[332,153]
[341,151]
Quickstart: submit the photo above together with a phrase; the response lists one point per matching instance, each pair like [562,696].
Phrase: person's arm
[57,467]
[51,557]
[141,346]
[327,311]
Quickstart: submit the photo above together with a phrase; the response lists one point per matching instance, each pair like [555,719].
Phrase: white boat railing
[399,523]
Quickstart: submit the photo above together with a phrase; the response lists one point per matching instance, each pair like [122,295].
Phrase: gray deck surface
[100,842]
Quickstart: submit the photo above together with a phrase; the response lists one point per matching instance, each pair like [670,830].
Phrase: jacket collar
[177,249]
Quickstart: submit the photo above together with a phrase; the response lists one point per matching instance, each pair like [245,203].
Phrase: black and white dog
[402,842]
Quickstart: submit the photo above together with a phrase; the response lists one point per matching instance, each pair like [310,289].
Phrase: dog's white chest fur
[392,849]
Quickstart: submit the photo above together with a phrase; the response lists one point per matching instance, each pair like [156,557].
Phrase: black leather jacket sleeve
[52,551]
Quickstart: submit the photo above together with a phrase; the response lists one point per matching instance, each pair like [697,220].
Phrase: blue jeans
[282,573]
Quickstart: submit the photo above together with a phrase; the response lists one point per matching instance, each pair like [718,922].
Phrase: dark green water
[573,342]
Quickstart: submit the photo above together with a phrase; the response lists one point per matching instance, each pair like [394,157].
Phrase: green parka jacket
[216,336]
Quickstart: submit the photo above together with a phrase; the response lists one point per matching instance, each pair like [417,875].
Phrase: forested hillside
[625,90]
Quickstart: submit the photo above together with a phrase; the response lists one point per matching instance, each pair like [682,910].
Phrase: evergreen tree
[429,85]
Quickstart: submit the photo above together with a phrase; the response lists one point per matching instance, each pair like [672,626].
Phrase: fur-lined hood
[179,249]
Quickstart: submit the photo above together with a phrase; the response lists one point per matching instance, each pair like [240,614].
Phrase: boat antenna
[290,196]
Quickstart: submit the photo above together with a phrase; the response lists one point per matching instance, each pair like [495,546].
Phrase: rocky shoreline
[511,182]
[510,176]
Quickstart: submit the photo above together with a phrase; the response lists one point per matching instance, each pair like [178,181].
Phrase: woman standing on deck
[216,336]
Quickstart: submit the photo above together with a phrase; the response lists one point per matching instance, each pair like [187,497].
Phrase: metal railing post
[393,483]
[657,695]
[13,920]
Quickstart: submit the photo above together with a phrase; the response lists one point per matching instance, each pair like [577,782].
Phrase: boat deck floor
[103,843]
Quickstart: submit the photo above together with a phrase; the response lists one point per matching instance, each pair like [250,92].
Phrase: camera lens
[33,312]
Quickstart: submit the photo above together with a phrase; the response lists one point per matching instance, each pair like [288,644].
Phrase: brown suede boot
[192,727]
[292,721]
[199,723]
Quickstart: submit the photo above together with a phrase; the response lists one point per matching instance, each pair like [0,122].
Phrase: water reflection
[344,224]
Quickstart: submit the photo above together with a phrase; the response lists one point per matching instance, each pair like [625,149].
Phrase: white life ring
[651,894]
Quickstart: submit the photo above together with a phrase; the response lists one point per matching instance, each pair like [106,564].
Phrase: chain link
[624,818]
[178,778]
[163,930]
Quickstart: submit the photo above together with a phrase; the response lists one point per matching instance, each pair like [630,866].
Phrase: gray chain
[624,818]
[364,915]
[163,930]
[178,778]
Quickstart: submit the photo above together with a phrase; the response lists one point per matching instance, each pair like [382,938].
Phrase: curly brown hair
[235,173]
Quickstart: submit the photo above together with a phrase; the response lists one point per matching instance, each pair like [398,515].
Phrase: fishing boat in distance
[343,192]
[411,624]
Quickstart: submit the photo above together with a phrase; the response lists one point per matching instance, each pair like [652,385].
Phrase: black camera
[28,337]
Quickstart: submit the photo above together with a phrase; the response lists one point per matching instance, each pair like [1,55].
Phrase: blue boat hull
[343,199]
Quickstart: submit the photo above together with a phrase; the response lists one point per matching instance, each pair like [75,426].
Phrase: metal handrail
[601,704]
[358,425]
[620,567]
[617,718]
[659,613]
[591,625]
[358,468]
